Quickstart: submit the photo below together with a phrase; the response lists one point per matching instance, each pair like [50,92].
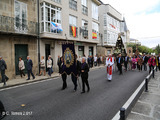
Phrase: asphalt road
[45,100]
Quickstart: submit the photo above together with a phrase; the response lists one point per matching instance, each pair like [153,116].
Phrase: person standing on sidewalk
[3,67]
[29,68]
[84,75]
[42,66]
[49,66]
[152,63]
[21,67]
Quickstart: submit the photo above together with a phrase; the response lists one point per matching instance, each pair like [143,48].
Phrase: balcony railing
[73,4]
[84,10]
[16,25]
[85,34]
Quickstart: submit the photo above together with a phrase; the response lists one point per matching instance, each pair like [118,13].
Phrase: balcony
[84,10]
[16,25]
[73,4]
[85,34]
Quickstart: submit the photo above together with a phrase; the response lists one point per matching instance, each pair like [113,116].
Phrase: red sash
[109,68]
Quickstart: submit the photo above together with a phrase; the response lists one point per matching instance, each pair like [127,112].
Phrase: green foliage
[157,49]
[141,48]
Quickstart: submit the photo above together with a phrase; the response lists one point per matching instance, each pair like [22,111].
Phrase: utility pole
[38,38]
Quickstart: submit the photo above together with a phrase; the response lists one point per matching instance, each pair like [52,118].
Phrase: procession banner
[69,65]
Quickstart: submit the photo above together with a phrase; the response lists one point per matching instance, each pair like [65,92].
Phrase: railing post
[146,84]
[122,114]
[153,72]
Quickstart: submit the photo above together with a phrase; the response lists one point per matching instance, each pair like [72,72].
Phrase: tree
[157,49]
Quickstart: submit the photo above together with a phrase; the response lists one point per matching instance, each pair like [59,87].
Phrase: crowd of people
[83,64]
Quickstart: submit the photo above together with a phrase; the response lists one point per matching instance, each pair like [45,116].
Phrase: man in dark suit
[29,68]
[84,75]
[126,59]
[145,60]
[75,76]
[158,58]
[3,67]
[120,63]
[63,75]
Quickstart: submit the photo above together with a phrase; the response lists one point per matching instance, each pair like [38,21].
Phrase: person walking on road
[95,60]
[21,67]
[59,62]
[63,75]
[126,62]
[152,63]
[84,75]
[109,64]
[120,63]
[140,62]
[134,62]
[158,59]
[74,77]
[42,66]
[49,66]
[3,67]
[29,68]
[145,60]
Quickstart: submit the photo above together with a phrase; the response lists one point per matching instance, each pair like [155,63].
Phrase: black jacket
[84,66]
[3,65]
[145,59]
[121,61]
[125,59]
[78,66]
[158,60]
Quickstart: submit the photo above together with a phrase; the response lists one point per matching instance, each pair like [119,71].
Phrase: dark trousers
[120,68]
[125,65]
[30,72]
[140,67]
[85,81]
[21,73]
[74,80]
[159,66]
[95,63]
[151,68]
[49,71]
[4,77]
[64,77]
[145,66]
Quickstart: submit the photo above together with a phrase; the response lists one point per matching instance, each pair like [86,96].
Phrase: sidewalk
[20,81]
[148,105]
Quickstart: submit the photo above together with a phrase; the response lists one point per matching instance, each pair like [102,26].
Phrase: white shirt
[95,59]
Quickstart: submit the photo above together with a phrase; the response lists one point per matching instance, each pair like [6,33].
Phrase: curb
[32,81]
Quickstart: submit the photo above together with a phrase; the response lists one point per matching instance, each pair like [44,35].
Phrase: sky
[142,18]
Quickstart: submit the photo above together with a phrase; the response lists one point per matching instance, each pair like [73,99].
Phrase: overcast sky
[142,17]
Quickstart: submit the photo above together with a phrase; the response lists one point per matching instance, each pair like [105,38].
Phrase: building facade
[68,21]
[18,33]
[111,25]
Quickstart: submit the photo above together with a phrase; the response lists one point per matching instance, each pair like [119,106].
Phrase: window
[50,18]
[108,52]
[73,26]
[94,11]
[20,10]
[84,7]
[105,36]
[95,31]
[105,19]
[84,29]
[73,4]
[57,1]
[84,2]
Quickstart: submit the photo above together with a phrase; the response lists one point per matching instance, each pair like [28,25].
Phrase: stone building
[18,33]
[58,18]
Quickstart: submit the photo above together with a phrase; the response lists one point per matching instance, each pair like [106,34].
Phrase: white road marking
[26,84]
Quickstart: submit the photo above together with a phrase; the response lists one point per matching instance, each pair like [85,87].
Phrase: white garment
[43,63]
[95,59]
[108,64]
[21,65]
[49,63]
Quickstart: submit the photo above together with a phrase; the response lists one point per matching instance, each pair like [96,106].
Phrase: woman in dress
[134,62]
[42,66]
[130,63]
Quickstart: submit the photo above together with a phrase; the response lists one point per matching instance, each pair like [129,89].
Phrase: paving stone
[133,116]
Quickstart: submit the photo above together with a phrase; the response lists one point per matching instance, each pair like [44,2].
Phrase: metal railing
[84,10]
[16,25]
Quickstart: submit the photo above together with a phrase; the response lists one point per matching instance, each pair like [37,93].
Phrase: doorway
[47,53]
[20,51]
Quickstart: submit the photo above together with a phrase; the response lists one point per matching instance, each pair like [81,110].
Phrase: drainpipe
[38,38]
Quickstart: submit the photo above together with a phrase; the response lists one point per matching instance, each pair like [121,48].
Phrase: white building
[111,25]
[69,14]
